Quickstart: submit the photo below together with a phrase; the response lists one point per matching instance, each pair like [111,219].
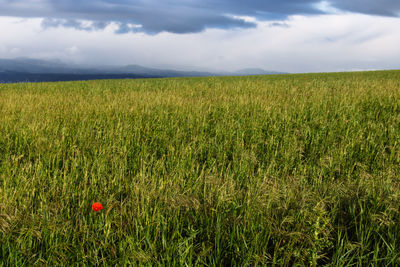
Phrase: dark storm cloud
[178,16]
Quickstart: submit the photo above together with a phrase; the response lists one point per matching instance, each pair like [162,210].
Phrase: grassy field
[242,171]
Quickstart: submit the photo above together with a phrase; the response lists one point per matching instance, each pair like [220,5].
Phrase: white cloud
[325,6]
[73,50]
[15,50]
[3,49]
[305,44]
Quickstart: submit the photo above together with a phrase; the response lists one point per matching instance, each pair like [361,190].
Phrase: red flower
[96,206]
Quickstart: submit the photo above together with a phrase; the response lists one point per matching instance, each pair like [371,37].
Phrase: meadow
[235,171]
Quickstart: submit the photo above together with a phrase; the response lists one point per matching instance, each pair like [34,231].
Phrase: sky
[276,35]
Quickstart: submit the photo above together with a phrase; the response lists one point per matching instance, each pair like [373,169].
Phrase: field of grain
[279,169]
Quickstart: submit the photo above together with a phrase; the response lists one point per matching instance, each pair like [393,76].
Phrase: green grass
[285,169]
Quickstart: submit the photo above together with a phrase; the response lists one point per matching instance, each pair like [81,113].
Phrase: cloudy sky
[279,35]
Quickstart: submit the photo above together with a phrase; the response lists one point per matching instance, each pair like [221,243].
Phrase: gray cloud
[373,7]
[279,24]
[177,16]
[71,23]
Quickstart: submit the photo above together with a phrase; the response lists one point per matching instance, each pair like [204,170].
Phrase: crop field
[282,169]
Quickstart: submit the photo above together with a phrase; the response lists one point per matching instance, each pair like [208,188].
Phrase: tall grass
[286,169]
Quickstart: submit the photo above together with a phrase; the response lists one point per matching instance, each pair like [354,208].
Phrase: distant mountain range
[34,70]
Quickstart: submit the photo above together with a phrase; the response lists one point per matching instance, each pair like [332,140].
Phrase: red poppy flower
[97,206]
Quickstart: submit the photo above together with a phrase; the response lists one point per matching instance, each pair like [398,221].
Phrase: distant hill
[12,77]
[255,71]
[22,65]
[34,70]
